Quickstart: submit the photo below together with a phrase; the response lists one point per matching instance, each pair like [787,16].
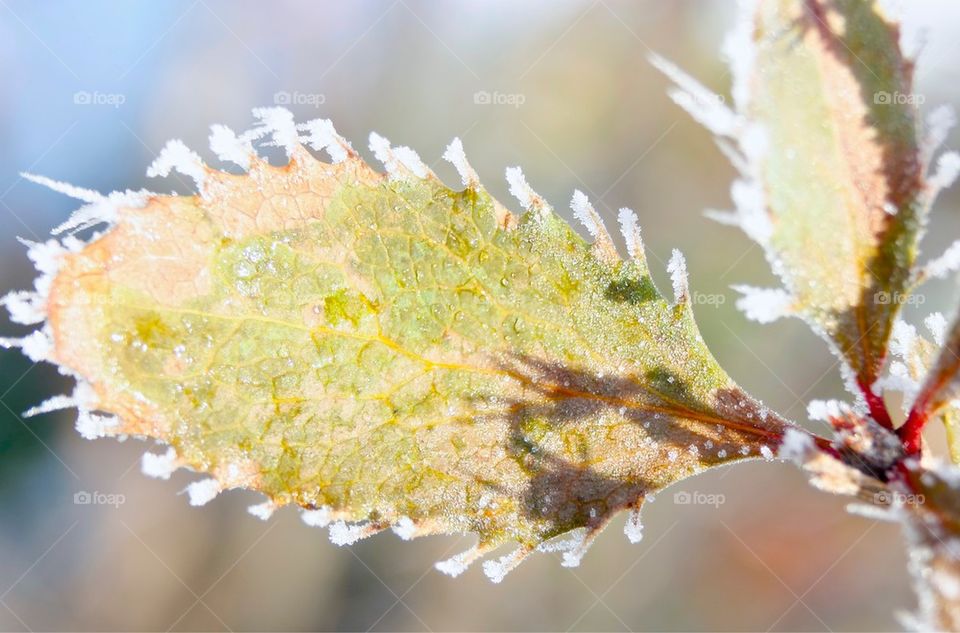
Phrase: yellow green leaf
[385,351]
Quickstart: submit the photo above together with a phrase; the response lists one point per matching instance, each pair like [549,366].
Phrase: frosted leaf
[176,156]
[814,195]
[295,267]
[160,466]
[202,492]
[458,158]
[677,267]
[763,305]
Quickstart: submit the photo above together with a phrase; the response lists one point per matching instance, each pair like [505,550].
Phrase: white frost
[948,168]
[520,190]
[316,518]
[763,305]
[342,533]
[766,452]
[677,267]
[405,528]
[497,570]
[262,511]
[176,156]
[586,214]
[796,447]
[705,106]
[938,123]
[321,135]
[903,338]
[203,491]
[948,262]
[458,158]
[399,161]
[95,425]
[229,147]
[79,193]
[279,123]
[630,227]
[36,345]
[456,565]
[937,325]
[633,528]
[825,410]
[159,466]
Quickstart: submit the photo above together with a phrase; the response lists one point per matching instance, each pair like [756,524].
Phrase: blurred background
[92,91]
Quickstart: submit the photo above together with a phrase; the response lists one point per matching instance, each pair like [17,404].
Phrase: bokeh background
[91,92]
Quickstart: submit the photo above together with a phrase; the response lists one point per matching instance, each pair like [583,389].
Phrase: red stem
[878,409]
[911,432]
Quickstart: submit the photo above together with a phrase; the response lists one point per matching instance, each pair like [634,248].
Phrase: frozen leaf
[388,352]
[832,178]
